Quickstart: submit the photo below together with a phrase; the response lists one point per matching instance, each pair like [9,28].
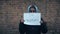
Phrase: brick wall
[53,16]
[11,10]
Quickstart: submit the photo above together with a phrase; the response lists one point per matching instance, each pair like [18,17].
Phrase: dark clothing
[22,28]
[29,29]
[44,28]
[33,29]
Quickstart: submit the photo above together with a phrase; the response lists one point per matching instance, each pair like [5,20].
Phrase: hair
[32,7]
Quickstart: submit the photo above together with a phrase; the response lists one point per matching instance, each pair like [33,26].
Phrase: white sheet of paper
[32,18]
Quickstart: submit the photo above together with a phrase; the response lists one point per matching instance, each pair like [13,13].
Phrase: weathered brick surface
[11,10]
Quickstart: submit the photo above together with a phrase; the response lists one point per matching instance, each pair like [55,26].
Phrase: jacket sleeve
[44,28]
[21,26]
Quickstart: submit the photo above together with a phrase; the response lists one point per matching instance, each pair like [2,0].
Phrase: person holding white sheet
[30,29]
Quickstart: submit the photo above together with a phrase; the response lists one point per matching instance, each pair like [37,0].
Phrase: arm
[43,27]
[21,20]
